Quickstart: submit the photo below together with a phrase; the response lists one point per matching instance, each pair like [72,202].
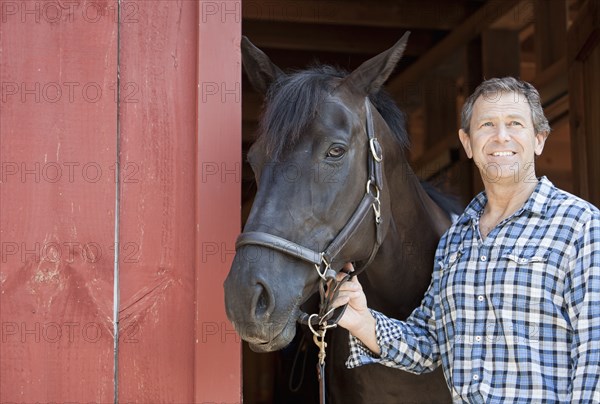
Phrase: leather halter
[322,260]
[328,285]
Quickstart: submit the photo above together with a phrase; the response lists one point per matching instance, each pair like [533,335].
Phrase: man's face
[503,142]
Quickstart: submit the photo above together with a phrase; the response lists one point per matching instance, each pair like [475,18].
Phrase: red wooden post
[218,351]
[158,57]
[57,200]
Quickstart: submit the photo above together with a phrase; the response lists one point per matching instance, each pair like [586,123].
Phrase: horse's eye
[336,152]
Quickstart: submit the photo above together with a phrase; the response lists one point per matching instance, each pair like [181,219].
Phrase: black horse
[311,163]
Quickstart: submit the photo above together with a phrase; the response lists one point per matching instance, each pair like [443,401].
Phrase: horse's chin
[278,342]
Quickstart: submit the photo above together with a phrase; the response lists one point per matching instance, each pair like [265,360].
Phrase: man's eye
[336,152]
[515,123]
[488,124]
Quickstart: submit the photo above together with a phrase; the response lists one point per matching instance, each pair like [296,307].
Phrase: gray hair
[491,89]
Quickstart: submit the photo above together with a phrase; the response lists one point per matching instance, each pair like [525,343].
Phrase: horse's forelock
[292,102]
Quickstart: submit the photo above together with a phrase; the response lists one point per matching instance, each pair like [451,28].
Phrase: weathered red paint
[57,234]
[158,137]
[218,350]
[57,156]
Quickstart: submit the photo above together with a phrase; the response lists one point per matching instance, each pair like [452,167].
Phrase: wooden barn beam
[550,33]
[480,20]
[416,14]
[440,102]
[500,53]
[295,36]
[300,59]
[583,61]
[552,82]
[519,19]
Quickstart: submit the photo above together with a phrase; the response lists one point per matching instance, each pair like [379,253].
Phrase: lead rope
[329,288]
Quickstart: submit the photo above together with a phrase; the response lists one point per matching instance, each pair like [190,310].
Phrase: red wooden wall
[57,206]
[84,87]
[218,350]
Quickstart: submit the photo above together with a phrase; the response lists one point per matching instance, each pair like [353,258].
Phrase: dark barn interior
[453,46]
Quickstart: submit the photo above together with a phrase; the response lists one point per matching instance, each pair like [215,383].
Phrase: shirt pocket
[452,278]
[524,278]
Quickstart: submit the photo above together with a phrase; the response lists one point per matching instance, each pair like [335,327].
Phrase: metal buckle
[369,184]
[377,209]
[375,147]
[326,266]
[376,203]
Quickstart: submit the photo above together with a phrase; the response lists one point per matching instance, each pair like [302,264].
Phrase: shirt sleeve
[410,345]
[583,304]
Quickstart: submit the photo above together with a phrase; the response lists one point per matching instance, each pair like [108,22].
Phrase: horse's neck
[413,206]
[399,275]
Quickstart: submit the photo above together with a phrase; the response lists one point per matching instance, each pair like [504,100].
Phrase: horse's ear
[259,68]
[370,76]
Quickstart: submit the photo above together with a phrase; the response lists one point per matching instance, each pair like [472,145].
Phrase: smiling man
[513,309]
[503,129]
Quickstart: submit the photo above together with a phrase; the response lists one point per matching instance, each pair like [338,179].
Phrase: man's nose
[503,134]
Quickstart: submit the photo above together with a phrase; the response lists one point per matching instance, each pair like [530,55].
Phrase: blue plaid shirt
[512,318]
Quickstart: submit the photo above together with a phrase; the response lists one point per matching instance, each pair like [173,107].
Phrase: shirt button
[475,377]
[483,258]
[480,298]
[478,338]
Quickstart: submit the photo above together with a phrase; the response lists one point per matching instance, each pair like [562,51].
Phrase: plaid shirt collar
[537,203]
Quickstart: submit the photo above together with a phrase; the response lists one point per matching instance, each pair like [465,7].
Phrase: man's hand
[357,318]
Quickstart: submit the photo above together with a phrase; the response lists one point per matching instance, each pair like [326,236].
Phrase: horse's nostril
[262,302]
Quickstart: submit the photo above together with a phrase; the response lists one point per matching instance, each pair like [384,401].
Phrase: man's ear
[540,142]
[259,68]
[465,139]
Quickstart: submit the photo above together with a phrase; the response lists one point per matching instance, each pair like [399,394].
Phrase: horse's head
[315,167]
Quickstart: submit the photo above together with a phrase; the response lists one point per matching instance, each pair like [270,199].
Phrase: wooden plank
[591,81]
[321,37]
[550,33]
[432,14]
[440,103]
[469,29]
[556,157]
[552,82]
[584,34]
[557,109]
[500,53]
[158,55]
[301,59]
[57,201]
[217,375]
[579,138]
[555,162]
[519,19]
[437,158]
[584,100]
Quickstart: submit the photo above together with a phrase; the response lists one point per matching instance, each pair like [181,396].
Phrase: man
[513,309]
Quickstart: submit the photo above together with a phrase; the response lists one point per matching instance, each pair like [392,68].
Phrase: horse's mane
[293,100]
